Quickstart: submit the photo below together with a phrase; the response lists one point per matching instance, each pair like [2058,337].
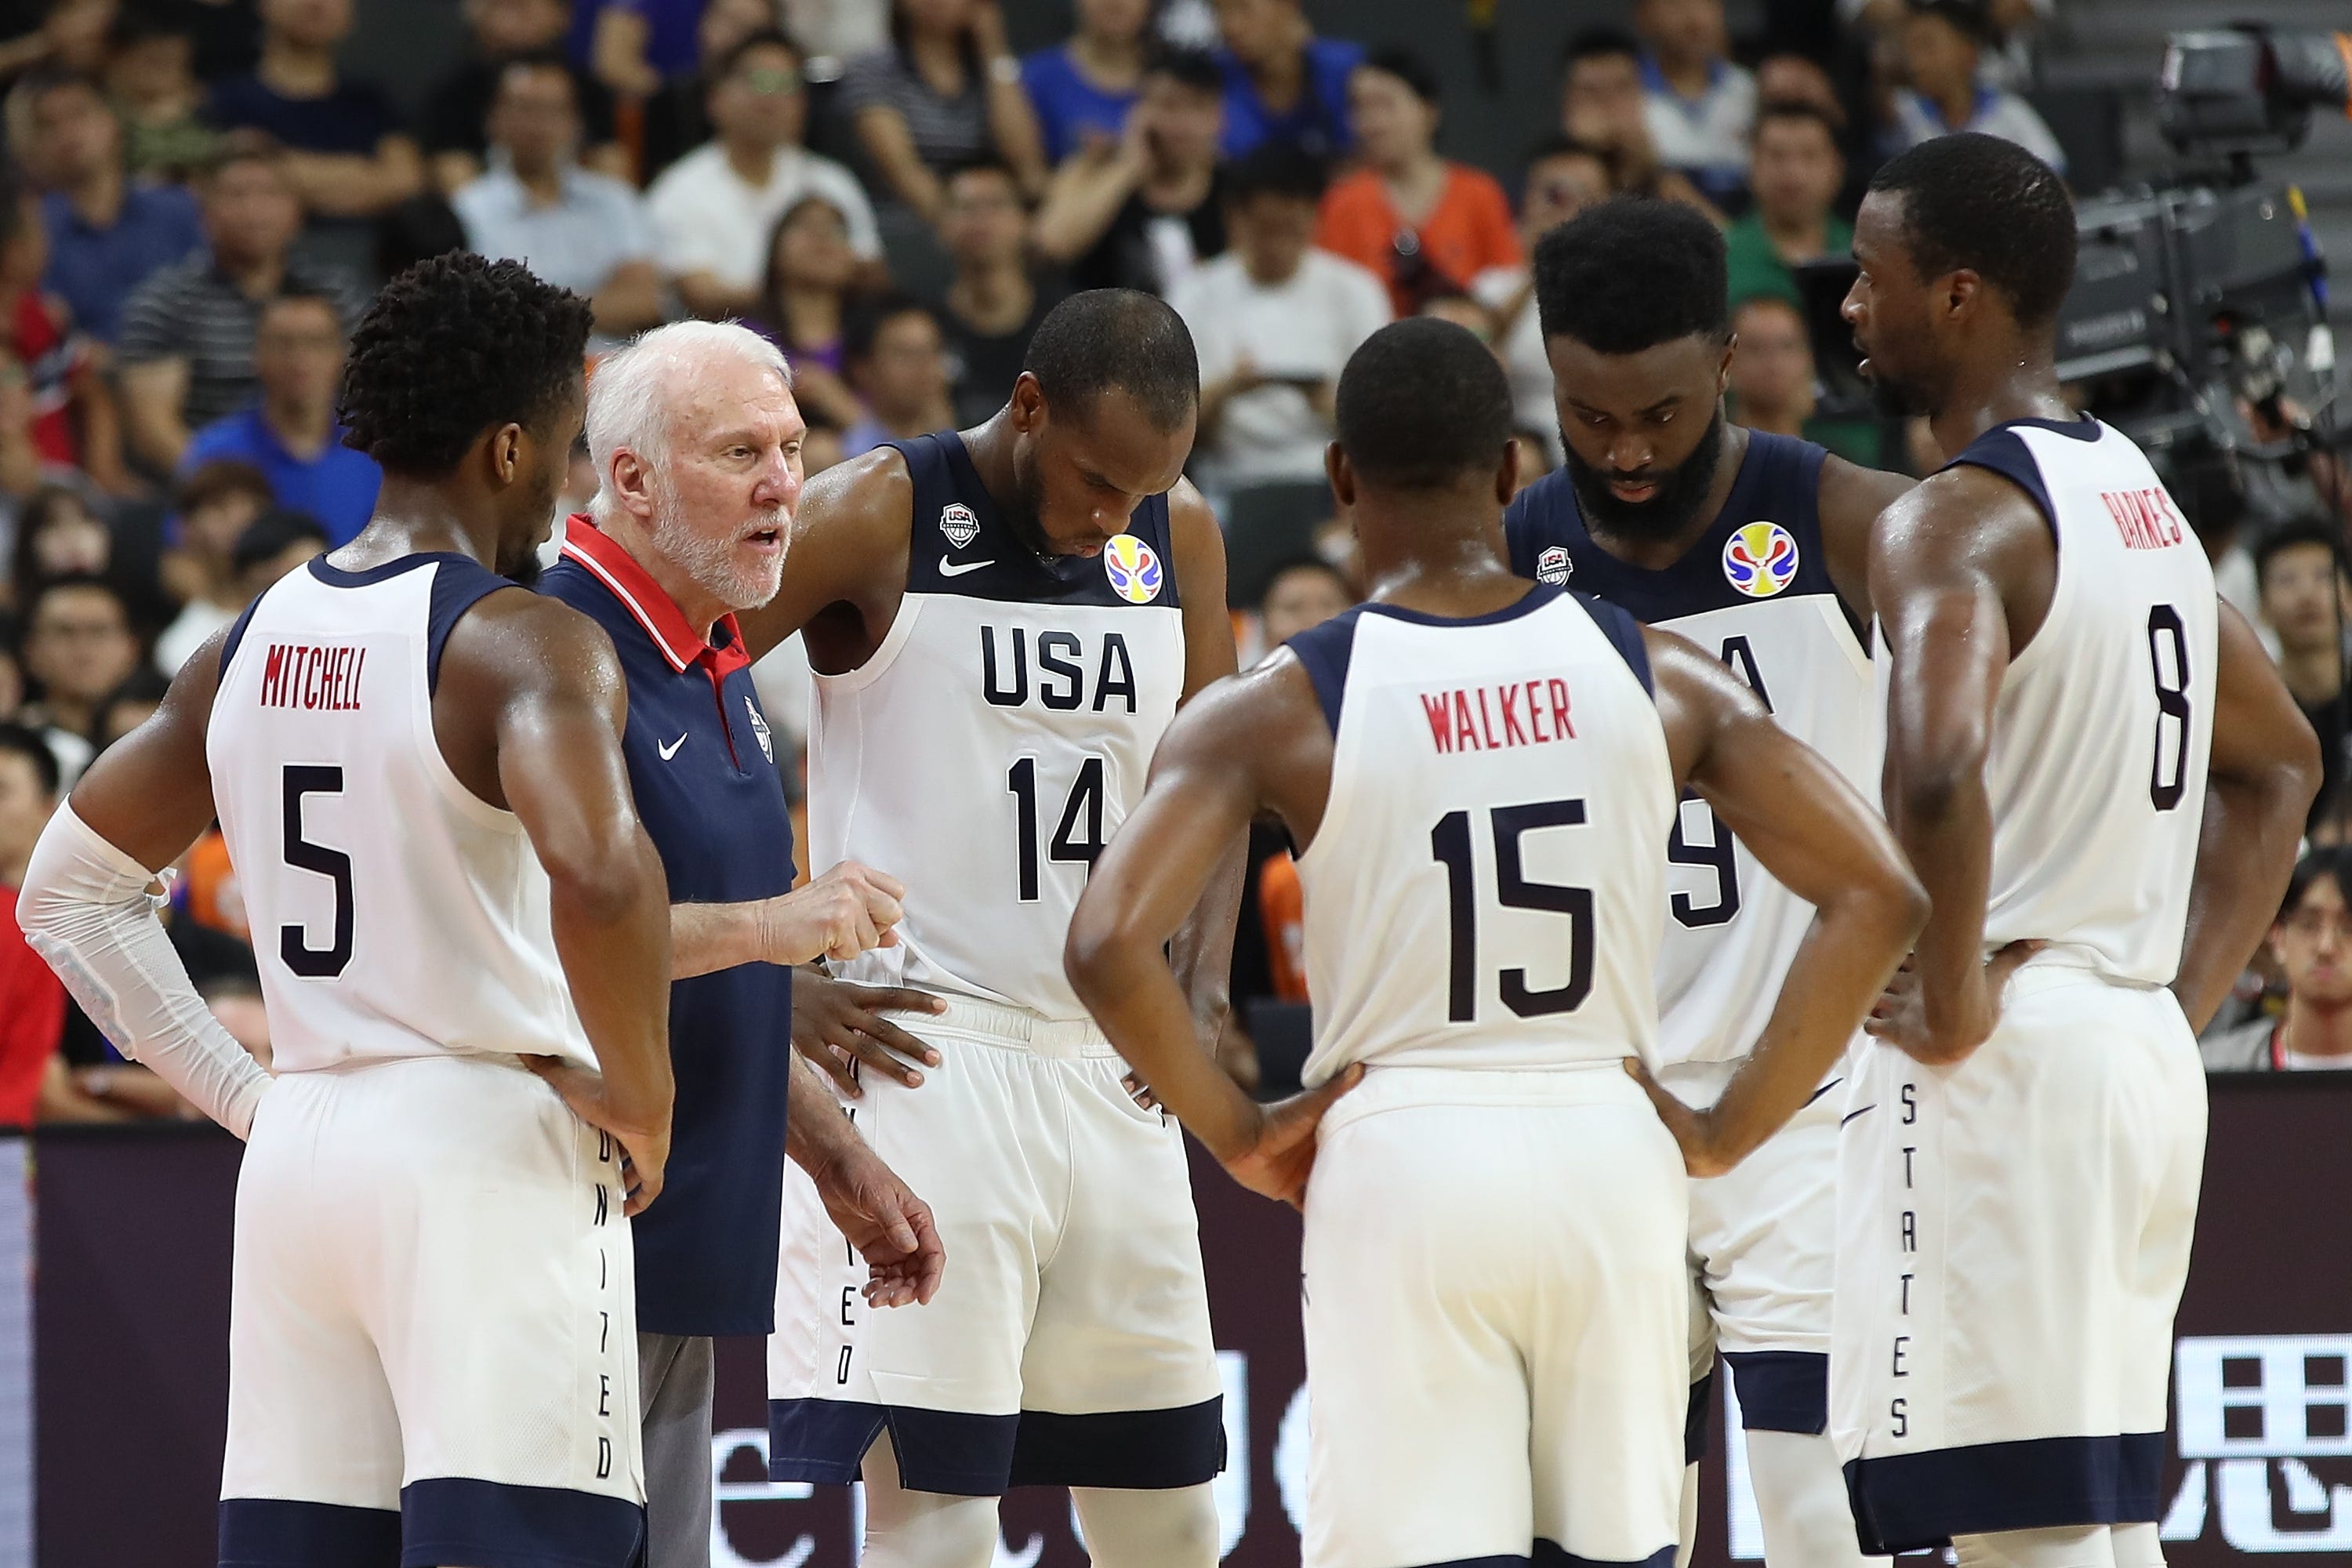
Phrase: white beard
[711,561]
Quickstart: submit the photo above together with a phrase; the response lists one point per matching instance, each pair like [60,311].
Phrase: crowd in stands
[199,196]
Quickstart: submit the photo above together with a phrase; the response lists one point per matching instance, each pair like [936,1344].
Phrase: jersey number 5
[293,946]
[2171,704]
[1449,843]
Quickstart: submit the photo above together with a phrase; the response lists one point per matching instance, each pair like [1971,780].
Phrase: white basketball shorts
[1069,1343]
[1496,1304]
[2013,1236]
[432,1327]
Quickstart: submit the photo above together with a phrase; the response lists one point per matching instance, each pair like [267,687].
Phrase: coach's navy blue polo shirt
[703,768]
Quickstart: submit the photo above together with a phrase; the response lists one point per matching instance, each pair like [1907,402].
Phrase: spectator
[1942,49]
[2312,944]
[1083,90]
[576,228]
[715,209]
[1274,319]
[1143,212]
[1426,226]
[22,466]
[1282,82]
[899,363]
[12,680]
[1794,78]
[811,277]
[69,35]
[946,93]
[993,304]
[32,999]
[1697,105]
[78,647]
[291,433]
[1773,384]
[129,705]
[215,503]
[677,119]
[107,234]
[75,421]
[2307,600]
[58,535]
[456,141]
[631,44]
[346,151]
[187,332]
[277,542]
[150,74]
[1795,173]
[1563,178]
[1300,595]
[1603,106]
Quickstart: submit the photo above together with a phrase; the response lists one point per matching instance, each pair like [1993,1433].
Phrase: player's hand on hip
[841,1027]
[892,1229]
[1693,1131]
[839,915]
[1900,1016]
[1278,1160]
[643,1140]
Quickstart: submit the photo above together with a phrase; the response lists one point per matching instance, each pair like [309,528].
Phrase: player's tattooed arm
[1203,948]
[845,569]
[1249,742]
[1849,499]
[1815,834]
[1961,574]
[2264,771]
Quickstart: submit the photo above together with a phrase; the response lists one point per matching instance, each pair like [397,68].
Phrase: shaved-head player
[1002,621]
[2098,774]
[1482,773]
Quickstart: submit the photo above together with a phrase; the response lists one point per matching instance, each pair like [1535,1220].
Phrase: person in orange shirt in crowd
[1424,225]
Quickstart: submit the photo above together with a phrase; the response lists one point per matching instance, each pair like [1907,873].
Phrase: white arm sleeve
[85,909]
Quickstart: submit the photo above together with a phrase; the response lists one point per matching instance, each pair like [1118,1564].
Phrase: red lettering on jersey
[2144,517]
[1514,732]
[1559,691]
[273,677]
[1533,713]
[1440,712]
[300,675]
[1486,721]
[1465,735]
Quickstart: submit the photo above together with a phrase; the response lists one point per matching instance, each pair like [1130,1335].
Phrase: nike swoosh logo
[956,569]
[1852,1114]
[671,750]
[1820,1092]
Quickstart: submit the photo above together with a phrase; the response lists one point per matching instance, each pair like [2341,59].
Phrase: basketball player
[418,770]
[1002,621]
[1756,548]
[2093,766]
[1483,772]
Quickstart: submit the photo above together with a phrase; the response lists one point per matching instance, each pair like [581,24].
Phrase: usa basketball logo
[1761,560]
[1553,565]
[760,729]
[1133,568]
[956,522]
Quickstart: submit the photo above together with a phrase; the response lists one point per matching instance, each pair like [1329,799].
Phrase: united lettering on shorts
[1531,712]
[317,676]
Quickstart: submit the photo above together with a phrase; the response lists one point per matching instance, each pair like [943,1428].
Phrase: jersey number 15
[1449,844]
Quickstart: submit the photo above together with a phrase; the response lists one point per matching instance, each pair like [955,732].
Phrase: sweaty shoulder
[872,488]
[1966,528]
[1850,500]
[848,545]
[511,653]
[1261,725]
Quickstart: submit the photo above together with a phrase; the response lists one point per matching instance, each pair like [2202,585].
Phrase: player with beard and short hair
[1755,547]
[2101,779]
[1002,621]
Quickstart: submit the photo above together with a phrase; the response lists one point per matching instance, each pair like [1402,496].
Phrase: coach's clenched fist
[839,915]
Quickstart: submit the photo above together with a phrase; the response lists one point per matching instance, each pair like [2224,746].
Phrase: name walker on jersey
[1494,718]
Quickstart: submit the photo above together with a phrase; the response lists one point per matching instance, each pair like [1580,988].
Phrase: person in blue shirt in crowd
[1282,82]
[347,148]
[107,233]
[291,435]
[1083,90]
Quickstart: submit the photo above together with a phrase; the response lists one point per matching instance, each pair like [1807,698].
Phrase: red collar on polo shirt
[650,602]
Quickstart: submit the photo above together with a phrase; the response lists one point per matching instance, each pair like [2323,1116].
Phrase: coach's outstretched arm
[85,909]
[544,682]
[1248,742]
[2258,792]
[1811,829]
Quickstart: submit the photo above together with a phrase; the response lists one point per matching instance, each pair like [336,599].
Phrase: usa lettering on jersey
[312,676]
[1065,663]
[1492,718]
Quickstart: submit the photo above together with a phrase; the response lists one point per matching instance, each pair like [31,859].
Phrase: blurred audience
[32,1000]
[811,287]
[1773,383]
[151,75]
[213,506]
[631,44]
[2312,944]
[188,331]
[897,362]
[1943,47]
[946,92]
[1283,84]
[1143,211]
[2307,601]
[291,433]
[715,210]
[75,420]
[107,232]
[1425,224]
[574,227]
[993,304]
[1795,172]
[1698,107]
[347,151]
[78,647]
[677,119]
[273,544]
[1563,178]
[1603,106]
[58,533]
[1083,89]
[456,127]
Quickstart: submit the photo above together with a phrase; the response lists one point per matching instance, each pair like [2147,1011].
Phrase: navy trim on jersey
[1325,650]
[2003,450]
[275,1532]
[1904,1503]
[1527,603]
[1696,1418]
[994,561]
[335,576]
[1551,1554]
[1783,1391]
[464,583]
[958,1454]
[237,635]
[489,1524]
[1623,630]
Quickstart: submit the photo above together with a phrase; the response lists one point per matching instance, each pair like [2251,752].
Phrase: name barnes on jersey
[314,676]
[1530,713]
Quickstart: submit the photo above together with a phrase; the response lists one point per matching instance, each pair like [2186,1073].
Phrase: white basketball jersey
[1756,590]
[2105,723]
[395,913]
[992,744]
[1487,887]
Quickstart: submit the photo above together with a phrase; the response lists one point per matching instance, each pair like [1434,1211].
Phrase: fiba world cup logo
[1133,568]
[1761,560]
